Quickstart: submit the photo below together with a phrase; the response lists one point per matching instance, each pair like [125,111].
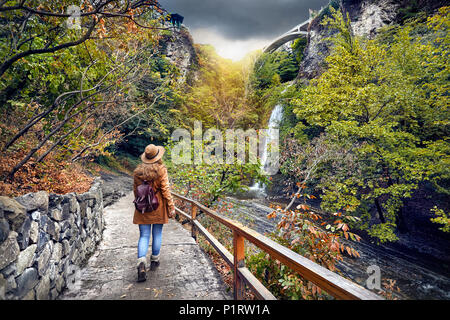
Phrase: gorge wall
[418,236]
[367,17]
[178,47]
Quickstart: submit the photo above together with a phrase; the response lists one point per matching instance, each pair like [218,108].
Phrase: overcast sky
[236,27]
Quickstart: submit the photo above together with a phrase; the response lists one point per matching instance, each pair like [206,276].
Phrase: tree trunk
[380,211]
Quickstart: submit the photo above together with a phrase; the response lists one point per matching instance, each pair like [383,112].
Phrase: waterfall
[274,123]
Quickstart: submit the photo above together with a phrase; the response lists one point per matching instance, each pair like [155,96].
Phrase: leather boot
[141,266]
[154,264]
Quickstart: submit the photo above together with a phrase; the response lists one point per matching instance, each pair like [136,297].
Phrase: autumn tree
[66,91]
[385,102]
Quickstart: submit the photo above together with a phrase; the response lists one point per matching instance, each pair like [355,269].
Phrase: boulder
[78,220]
[42,260]
[43,288]
[13,211]
[9,270]
[65,235]
[53,294]
[54,200]
[90,245]
[83,206]
[43,222]
[60,283]
[35,201]
[66,211]
[83,234]
[57,253]
[73,203]
[9,250]
[85,196]
[64,225]
[53,229]
[34,232]
[65,247]
[52,272]
[56,214]
[36,215]
[4,229]
[24,234]
[25,258]
[43,239]
[89,213]
[30,295]
[3,284]
[26,281]
[11,284]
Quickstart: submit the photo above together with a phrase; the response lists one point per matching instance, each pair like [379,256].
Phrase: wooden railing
[330,282]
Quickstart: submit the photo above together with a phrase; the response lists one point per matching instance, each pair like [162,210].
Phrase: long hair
[149,171]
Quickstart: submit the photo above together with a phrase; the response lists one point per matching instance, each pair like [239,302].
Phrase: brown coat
[158,174]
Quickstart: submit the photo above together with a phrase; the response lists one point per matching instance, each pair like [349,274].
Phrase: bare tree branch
[79,154]
[8,63]
[99,11]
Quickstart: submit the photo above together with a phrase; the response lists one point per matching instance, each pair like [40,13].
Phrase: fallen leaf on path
[157,292]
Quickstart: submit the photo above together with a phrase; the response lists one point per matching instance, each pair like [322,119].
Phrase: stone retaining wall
[45,238]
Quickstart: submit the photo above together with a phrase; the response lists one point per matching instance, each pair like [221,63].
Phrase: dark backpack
[146,200]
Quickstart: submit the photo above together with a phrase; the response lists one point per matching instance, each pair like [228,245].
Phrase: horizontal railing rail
[332,283]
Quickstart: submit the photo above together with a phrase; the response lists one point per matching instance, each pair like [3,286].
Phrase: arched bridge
[298,31]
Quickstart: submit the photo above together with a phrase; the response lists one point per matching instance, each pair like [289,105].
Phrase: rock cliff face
[367,17]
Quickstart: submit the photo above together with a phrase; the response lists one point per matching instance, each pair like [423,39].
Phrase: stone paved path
[185,271]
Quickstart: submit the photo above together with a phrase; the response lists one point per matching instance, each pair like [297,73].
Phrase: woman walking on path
[154,172]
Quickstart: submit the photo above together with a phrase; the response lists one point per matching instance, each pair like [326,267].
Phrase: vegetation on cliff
[374,125]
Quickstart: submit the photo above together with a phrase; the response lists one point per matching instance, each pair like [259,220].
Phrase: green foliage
[442,218]
[209,182]
[299,231]
[328,10]
[386,105]
[268,65]
[410,10]
[298,46]
[218,97]
[158,122]
[267,82]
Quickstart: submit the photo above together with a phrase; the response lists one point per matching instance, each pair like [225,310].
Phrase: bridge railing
[330,282]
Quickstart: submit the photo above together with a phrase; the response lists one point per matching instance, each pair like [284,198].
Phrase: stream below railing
[412,276]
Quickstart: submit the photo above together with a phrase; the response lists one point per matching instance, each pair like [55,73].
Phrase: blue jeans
[144,239]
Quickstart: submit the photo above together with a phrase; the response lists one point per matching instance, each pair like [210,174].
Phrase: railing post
[239,255]
[193,227]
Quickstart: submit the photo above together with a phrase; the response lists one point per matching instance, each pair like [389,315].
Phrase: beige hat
[152,153]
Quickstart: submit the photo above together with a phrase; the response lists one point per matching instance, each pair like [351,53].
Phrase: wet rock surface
[115,186]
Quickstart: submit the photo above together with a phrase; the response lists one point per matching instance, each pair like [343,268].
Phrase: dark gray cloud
[243,19]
